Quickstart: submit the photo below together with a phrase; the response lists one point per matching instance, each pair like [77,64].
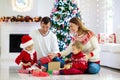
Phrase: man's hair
[46,20]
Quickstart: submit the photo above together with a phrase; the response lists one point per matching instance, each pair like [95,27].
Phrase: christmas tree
[62,12]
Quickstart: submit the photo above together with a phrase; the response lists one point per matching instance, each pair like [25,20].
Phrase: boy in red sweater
[77,63]
[28,56]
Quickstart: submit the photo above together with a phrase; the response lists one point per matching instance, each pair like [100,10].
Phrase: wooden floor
[8,72]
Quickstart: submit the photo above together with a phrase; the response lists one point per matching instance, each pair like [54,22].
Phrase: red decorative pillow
[106,38]
[111,38]
[101,38]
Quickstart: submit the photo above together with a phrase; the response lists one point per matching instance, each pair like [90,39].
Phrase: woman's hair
[78,44]
[81,29]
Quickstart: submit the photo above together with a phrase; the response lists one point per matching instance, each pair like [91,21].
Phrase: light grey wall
[45,7]
[116,14]
[40,8]
[93,14]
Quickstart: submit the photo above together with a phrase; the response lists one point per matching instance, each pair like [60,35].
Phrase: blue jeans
[93,68]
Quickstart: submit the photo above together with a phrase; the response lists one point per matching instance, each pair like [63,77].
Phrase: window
[109,17]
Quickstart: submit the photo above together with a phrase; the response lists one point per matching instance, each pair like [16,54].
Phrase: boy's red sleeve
[59,55]
[45,60]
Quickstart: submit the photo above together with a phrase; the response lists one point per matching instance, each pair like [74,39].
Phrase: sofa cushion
[110,47]
[101,38]
[106,38]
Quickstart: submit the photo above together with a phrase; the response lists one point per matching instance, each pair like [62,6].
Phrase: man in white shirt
[45,41]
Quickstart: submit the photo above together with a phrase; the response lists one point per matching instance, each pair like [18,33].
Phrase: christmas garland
[20,18]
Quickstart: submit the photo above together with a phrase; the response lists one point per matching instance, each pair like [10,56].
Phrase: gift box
[39,73]
[54,66]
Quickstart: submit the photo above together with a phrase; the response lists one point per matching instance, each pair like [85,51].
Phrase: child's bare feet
[55,72]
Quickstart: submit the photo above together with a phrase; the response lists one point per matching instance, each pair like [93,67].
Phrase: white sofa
[110,52]
[110,55]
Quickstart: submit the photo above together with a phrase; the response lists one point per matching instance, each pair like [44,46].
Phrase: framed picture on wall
[22,5]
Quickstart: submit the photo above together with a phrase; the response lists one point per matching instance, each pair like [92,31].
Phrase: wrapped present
[54,66]
[39,73]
